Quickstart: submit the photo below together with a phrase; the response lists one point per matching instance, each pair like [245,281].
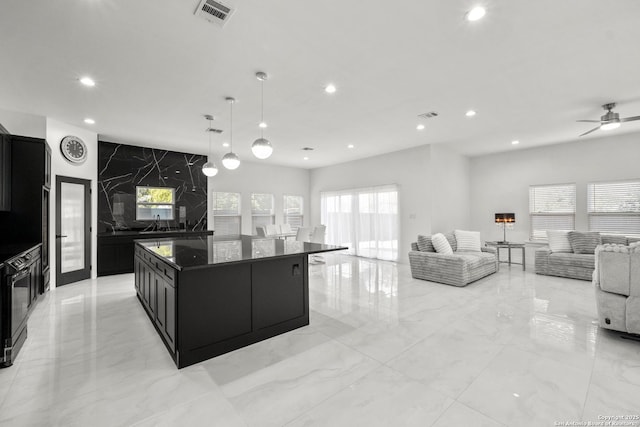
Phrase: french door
[73,230]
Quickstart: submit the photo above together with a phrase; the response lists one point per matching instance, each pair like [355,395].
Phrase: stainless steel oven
[20,278]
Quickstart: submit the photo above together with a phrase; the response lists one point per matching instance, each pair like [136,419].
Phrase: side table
[508,246]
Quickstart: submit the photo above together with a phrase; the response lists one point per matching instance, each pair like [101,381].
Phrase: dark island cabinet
[156,291]
[209,296]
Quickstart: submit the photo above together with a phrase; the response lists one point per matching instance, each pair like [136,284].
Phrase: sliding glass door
[365,220]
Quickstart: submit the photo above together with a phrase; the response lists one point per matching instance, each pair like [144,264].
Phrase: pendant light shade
[231,160]
[209,168]
[261,147]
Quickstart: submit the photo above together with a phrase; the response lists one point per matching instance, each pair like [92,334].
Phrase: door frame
[85,273]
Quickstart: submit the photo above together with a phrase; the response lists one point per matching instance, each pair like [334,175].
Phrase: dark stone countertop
[143,233]
[194,252]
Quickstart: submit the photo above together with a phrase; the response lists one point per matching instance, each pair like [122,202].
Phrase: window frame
[237,214]
[271,215]
[286,216]
[615,215]
[560,216]
[172,203]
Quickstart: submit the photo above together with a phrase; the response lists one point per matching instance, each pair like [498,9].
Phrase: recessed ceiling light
[476,13]
[89,121]
[515,142]
[225,144]
[262,125]
[470,113]
[305,158]
[420,126]
[87,81]
[330,88]
[350,146]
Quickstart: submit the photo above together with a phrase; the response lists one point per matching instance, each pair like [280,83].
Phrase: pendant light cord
[231,128]
[262,108]
[209,131]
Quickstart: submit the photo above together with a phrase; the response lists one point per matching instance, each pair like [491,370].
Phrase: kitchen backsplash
[121,168]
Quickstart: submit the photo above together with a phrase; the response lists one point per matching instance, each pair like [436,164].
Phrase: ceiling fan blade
[588,121]
[630,119]
[592,130]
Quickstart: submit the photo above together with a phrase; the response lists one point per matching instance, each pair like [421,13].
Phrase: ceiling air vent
[214,11]
[429,115]
[214,130]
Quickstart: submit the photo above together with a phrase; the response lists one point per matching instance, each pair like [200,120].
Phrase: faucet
[156,224]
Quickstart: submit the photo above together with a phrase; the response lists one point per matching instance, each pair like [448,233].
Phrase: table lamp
[505,219]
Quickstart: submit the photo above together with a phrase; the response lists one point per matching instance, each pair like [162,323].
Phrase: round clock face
[73,149]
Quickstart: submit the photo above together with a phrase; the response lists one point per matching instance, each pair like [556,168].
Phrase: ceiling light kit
[476,14]
[87,81]
[230,160]
[609,120]
[209,168]
[261,147]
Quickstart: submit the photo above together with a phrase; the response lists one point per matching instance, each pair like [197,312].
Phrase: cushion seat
[572,260]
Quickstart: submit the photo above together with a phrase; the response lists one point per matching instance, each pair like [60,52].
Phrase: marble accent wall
[123,167]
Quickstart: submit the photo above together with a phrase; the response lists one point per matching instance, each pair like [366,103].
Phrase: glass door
[73,230]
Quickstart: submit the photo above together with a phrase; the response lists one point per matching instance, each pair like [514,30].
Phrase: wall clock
[73,149]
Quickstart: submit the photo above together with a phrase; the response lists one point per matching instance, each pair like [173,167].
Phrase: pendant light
[261,147]
[231,160]
[209,168]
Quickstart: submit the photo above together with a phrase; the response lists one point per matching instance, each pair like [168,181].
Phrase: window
[293,211]
[153,203]
[226,213]
[365,220]
[614,207]
[552,207]
[262,212]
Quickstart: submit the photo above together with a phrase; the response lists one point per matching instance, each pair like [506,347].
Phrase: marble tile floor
[382,349]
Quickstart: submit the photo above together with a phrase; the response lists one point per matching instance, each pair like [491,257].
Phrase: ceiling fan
[610,120]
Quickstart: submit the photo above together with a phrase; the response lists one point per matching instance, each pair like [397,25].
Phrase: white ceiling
[530,70]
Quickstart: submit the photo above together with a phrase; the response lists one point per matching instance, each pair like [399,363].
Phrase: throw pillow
[441,244]
[584,243]
[468,240]
[613,239]
[424,244]
[451,238]
[559,241]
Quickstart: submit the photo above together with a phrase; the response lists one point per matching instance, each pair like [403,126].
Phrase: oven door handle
[19,276]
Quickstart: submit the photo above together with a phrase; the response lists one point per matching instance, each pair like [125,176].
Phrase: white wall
[253,177]
[409,169]
[500,182]
[450,183]
[55,131]
[23,124]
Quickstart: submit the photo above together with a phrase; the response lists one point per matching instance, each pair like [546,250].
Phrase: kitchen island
[210,295]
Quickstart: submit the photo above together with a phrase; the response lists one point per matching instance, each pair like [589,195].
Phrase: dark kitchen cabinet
[27,161]
[115,250]
[5,173]
[155,286]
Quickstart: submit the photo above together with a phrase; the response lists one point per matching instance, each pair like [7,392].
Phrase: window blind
[294,211]
[226,213]
[614,207]
[551,207]
[262,211]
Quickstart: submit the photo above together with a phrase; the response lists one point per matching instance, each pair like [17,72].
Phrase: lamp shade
[508,218]
[261,148]
[231,161]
